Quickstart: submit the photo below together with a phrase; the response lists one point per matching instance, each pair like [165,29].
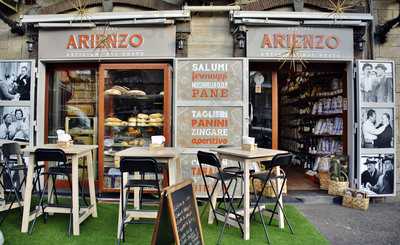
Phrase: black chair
[207,159]
[62,168]
[11,166]
[232,169]
[280,160]
[237,170]
[146,167]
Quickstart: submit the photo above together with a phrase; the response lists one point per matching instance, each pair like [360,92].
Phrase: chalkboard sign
[178,221]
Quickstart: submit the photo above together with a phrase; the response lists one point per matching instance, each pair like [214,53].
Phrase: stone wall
[385,10]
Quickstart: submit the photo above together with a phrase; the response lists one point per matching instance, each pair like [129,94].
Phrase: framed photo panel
[378,176]
[376,114]
[377,128]
[16,80]
[16,123]
[376,80]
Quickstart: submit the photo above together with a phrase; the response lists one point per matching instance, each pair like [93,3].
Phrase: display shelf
[313,94]
[321,135]
[149,78]
[150,97]
[311,99]
[127,126]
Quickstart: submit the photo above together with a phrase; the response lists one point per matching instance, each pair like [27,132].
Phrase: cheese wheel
[112,92]
[155,120]
[156,115]
[135,92]
[142,116]
[121,89]
[155,124]
[113,119]
[132,119]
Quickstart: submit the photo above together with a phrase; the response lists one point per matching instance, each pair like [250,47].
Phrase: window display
[133,110]
[72,102]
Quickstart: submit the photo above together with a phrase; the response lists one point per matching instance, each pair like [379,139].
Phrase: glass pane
[133,112]
[73,105]
[261,108]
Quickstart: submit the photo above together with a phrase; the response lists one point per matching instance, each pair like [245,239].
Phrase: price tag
[258,89]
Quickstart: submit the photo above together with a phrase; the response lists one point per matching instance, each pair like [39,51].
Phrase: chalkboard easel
[178,220]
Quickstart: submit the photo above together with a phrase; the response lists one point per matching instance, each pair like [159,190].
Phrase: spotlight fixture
[241,40]
[180,44]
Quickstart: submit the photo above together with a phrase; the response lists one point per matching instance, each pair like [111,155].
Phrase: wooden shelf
[150,97]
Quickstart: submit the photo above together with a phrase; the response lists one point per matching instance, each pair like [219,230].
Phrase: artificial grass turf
[102,230]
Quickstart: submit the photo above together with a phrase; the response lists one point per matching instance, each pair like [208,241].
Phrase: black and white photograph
[377,174]
[377,129]
[376,82]
[15,123]
[15,80]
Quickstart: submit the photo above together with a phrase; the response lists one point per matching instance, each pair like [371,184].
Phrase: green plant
[337,171]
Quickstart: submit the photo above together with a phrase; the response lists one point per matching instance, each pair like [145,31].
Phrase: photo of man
[15,80]
[369,176]
[377,128]
[384,88]
[366,82]
[376,82]
[377,176]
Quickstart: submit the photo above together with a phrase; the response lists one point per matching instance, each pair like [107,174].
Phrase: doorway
[303,111]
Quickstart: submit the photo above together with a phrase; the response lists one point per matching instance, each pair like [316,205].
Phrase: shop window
[72,104]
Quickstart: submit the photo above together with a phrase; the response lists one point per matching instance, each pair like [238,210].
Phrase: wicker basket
[356,199]
[337,188]
[323,180]
[268,191]
[348,199]
[361,202]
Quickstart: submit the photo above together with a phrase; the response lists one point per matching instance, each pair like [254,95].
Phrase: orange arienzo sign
[115,40]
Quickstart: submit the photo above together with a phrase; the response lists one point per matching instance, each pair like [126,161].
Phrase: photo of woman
[15,123]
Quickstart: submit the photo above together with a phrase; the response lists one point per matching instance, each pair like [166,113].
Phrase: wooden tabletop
[165,152]
[238,152]
[73,149]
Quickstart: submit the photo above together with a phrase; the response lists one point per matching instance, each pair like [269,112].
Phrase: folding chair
[13,163]
[145,167]
[207,159]
[62,168]
[279,160]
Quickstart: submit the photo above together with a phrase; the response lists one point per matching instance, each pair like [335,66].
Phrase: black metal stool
[13,162]
[62,168]
[145,167]
[207,159]
[279,160]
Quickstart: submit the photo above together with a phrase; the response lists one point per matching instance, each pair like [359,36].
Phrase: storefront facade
[213,99]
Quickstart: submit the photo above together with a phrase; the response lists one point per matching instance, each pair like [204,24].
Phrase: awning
[275,18]
[112,18]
